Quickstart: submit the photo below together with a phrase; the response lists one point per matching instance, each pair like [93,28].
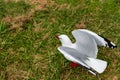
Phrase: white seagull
[84,50]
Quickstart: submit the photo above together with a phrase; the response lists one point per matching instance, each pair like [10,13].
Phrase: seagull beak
[57,37]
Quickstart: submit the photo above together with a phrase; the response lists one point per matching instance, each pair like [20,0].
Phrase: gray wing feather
[98,39]
[80,58]
[85,43]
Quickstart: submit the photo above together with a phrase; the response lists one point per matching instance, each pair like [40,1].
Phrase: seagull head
[65,40]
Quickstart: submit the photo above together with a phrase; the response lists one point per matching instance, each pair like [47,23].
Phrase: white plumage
[84,50]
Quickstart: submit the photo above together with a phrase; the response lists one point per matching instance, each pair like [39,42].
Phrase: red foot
[72,64]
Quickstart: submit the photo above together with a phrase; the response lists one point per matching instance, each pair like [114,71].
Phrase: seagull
[84,51]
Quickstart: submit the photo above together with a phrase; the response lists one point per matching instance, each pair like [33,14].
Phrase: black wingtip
[114,46]
[109,43]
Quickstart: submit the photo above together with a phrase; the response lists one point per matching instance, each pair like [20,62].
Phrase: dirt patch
[39,4]
[115,78]
[41,64]
[80,25]
[17,22]
[12,0]
[13,73]
[117,53]
[46,36]
[38,29]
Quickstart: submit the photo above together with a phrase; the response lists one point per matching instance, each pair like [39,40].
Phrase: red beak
[57,37]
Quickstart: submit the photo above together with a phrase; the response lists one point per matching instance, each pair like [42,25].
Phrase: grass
[29,52]
[12,8]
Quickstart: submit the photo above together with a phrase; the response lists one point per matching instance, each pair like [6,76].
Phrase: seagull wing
[73,55]
[91,64]
[100,40]
[85,43]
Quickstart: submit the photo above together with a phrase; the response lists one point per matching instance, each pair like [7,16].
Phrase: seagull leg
[73,64]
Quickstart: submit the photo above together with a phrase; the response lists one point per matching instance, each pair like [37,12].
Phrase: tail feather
[96,64]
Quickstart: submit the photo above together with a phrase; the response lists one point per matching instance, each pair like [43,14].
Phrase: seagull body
[84,50]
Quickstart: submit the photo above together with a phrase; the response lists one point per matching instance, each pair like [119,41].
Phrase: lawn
[28,48]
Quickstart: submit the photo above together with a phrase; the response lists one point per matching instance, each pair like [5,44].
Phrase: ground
[28,48]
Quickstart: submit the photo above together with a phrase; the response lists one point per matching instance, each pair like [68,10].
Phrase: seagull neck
[67,43]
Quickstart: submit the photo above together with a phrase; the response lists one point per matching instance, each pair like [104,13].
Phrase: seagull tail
[96,64]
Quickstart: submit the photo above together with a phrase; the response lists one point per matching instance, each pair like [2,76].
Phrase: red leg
[72,64]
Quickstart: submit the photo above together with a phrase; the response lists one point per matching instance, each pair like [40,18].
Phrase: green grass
[31,53]
[11,8]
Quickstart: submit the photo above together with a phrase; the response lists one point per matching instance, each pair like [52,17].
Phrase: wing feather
[88,62]
[73,55]
[85,44]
